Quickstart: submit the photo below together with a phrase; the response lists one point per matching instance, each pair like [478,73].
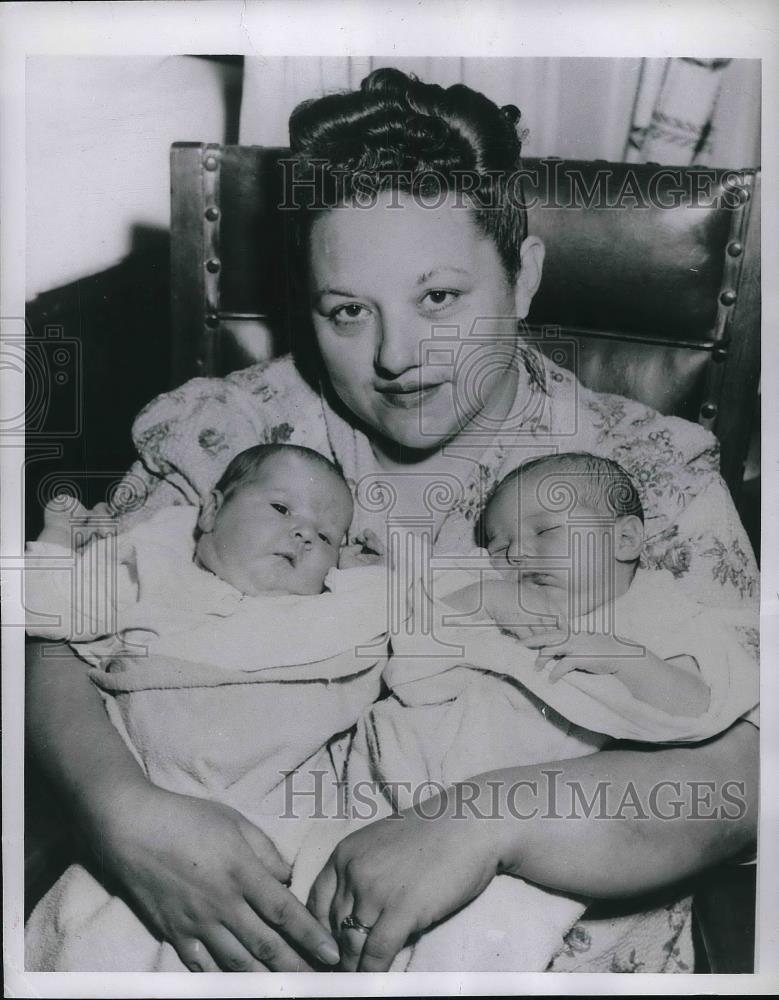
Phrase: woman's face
[415,317]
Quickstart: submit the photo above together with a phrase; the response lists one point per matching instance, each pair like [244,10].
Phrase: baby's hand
[59,517]
[366,550]
[675,685]
[593,654]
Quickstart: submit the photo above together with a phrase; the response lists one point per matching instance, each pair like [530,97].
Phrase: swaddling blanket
[481,705]
[243,705]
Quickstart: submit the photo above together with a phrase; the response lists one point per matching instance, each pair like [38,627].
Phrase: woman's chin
[403,435]
[419,429]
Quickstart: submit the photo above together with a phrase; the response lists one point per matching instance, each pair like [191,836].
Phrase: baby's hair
[398,133]
[603,485]
[247,464]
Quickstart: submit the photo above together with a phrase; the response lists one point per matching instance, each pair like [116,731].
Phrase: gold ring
[351,923]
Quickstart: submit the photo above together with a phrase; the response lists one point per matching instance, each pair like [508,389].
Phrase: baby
[226,645]
[567,531]
[631,657]
[273,523]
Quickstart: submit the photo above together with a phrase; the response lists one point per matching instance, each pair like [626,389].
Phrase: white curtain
[576,108]
[702,111]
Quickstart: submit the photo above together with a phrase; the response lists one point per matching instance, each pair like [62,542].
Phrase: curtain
[697,111]
[571,107]
[575,108]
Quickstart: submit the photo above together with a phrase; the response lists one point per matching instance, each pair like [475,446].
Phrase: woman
[416,233]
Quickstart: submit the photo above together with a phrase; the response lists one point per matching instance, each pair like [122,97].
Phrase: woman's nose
[399,346]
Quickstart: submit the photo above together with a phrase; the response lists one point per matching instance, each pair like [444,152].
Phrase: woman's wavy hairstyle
[397,133]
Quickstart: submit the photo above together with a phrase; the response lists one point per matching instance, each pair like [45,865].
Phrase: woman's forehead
[415,239]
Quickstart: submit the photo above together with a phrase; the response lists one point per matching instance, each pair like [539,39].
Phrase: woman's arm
[209,881]
[616,823]
[660,816]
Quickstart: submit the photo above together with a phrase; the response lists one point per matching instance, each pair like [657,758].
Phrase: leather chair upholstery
[650,288]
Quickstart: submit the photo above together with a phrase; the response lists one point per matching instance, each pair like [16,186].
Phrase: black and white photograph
[382,550]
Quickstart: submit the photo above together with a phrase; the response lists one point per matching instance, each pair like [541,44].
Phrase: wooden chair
[651,289]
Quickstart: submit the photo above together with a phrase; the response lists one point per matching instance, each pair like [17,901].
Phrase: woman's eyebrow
[321,292]
[443,268]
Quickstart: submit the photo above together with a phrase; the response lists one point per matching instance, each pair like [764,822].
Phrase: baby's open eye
[280,507]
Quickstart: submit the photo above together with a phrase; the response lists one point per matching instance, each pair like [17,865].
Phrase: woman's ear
[629,538]
[211,506]
[531,264]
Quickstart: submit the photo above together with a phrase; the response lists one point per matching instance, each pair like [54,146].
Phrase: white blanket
[245,704]
[484,706]
[480,708]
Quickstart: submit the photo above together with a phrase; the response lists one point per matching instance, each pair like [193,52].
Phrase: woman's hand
[399,875]
[211,884]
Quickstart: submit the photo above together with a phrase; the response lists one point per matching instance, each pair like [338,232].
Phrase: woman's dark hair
[397,133]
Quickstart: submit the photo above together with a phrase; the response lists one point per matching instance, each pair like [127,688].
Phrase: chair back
[651,284]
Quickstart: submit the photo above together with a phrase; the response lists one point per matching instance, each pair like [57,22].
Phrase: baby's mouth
[290,557]
[540,577]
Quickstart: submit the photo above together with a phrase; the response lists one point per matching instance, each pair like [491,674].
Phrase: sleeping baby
[557,644]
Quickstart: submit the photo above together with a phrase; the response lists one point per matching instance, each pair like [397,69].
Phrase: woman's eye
[352,312]
[280,507]
[544,531]
[439,298]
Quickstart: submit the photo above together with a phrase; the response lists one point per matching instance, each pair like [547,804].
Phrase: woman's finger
[275,905]
[321,895]
[230,953]
[267,852]
[263,942]
[352,939]
[195,956]
[387,937]
[341,905]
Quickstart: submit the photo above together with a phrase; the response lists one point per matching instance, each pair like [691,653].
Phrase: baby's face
[281,531]
[571,551]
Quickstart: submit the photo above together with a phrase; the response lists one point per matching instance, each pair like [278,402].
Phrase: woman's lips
[408,398]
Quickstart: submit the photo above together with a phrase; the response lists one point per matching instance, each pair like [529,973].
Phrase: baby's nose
[515,553]
[303,532]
